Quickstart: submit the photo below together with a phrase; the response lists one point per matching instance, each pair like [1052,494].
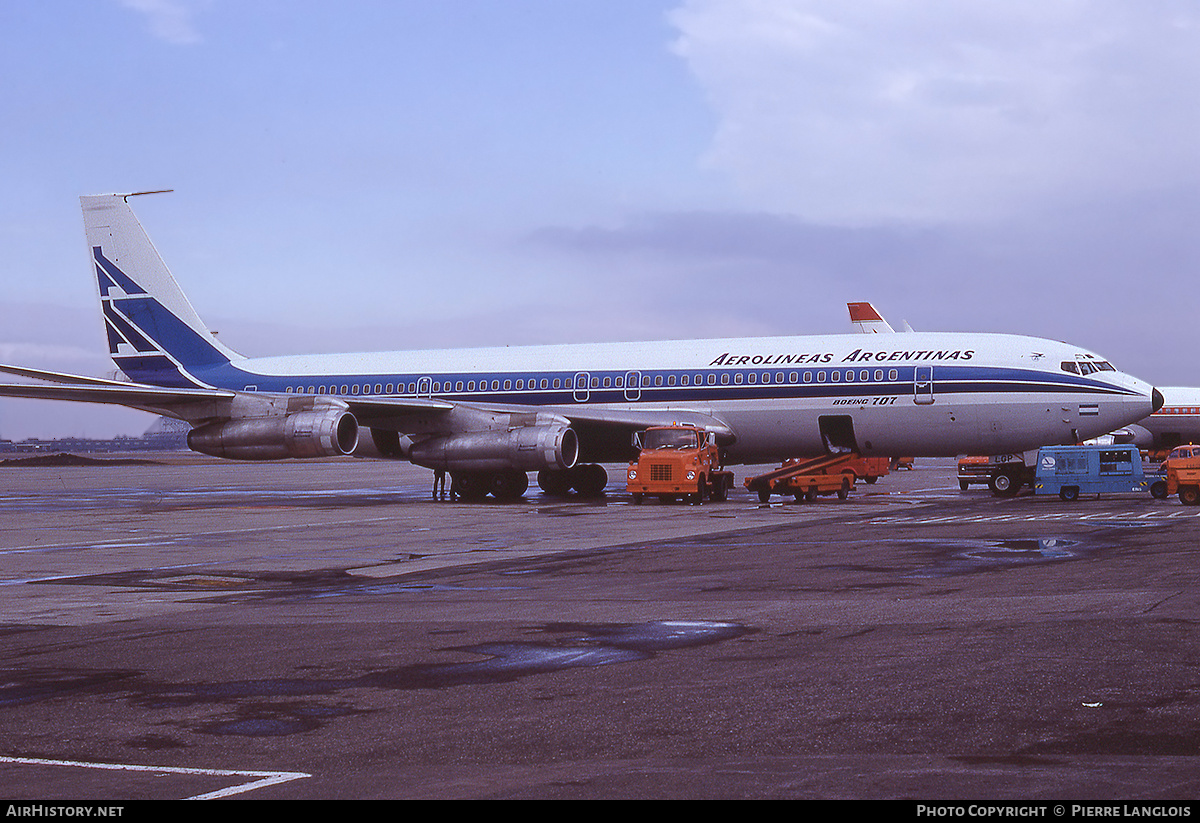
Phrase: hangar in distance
[489,416]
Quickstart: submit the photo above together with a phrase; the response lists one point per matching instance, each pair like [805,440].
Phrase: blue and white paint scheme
[490,415]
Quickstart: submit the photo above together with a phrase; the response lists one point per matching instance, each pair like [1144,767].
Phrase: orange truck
[1182,470]
[678,461]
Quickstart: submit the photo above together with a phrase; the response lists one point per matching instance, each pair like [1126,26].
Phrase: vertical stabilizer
[867,319]
[154,334]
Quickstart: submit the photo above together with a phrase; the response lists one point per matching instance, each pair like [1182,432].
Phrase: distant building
[166,434]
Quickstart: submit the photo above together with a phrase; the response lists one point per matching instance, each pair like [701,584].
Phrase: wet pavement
[326,630]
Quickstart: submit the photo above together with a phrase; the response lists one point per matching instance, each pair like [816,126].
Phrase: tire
[589,479]
[555,483]
[508,485]
[718,491]
[469,486]
[1189,495]
[764,495]
[844,491]
[637,498]
[963,485]
[1158,490]
[1069,493]
[1005,484]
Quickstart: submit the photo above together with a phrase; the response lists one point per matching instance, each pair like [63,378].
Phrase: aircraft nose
[1157,399]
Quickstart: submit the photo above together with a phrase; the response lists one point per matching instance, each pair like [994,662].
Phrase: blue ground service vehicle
[1070,471]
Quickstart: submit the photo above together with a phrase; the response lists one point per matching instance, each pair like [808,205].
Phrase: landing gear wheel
[509,484]
[469,486]
[555,483]
[589,479]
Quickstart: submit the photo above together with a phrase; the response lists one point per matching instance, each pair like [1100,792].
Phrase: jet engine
[527,448]
[326,433]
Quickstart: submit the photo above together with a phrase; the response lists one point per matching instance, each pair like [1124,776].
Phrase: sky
[404,174]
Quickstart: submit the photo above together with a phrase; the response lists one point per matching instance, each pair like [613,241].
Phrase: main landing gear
[587,480]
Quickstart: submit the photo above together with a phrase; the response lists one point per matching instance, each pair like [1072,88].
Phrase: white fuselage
[919,394]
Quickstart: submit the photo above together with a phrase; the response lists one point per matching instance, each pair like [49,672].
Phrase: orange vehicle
[678,461]
[1182,468]
[807,477]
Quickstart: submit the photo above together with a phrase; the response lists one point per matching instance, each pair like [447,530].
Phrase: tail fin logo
[111,277]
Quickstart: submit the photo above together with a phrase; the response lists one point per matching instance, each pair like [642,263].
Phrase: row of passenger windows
[607,382]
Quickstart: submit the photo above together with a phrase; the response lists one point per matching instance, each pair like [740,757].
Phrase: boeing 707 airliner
[490,416]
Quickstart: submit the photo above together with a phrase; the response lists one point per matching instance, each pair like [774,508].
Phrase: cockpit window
[1086,366]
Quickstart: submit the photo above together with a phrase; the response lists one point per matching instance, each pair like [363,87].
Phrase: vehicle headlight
[633,474]
[691,475]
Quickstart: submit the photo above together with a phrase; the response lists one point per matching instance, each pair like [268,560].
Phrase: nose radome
[1157,399]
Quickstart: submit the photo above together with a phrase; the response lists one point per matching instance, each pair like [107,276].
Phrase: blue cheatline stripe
[856,394]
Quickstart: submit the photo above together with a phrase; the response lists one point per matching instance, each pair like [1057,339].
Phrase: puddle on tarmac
[969,556]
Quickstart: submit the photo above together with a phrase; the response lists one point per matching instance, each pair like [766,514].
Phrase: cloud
[932,110]
[169,20]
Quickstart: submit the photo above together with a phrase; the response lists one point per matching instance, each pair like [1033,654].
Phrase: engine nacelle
[328,433]
[527,448]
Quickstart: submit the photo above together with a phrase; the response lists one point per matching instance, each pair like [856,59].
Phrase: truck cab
[1182,470]
[678,461]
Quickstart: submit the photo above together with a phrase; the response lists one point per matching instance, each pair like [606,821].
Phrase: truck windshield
[670,439]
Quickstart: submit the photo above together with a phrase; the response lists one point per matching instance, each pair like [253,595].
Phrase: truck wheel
[1189,495]
[964,485]
[717,490]
[764,496]
[844,491]
[1005,483]
[1158,490]
[1069,493]
[637,498]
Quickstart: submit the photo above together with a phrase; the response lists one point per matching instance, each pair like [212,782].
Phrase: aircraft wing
[161,399]
[82,389]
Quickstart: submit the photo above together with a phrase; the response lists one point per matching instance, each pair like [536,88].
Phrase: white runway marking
[261,779]
[1032,517]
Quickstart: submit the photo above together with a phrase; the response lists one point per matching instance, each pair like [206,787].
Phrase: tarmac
[323,630]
